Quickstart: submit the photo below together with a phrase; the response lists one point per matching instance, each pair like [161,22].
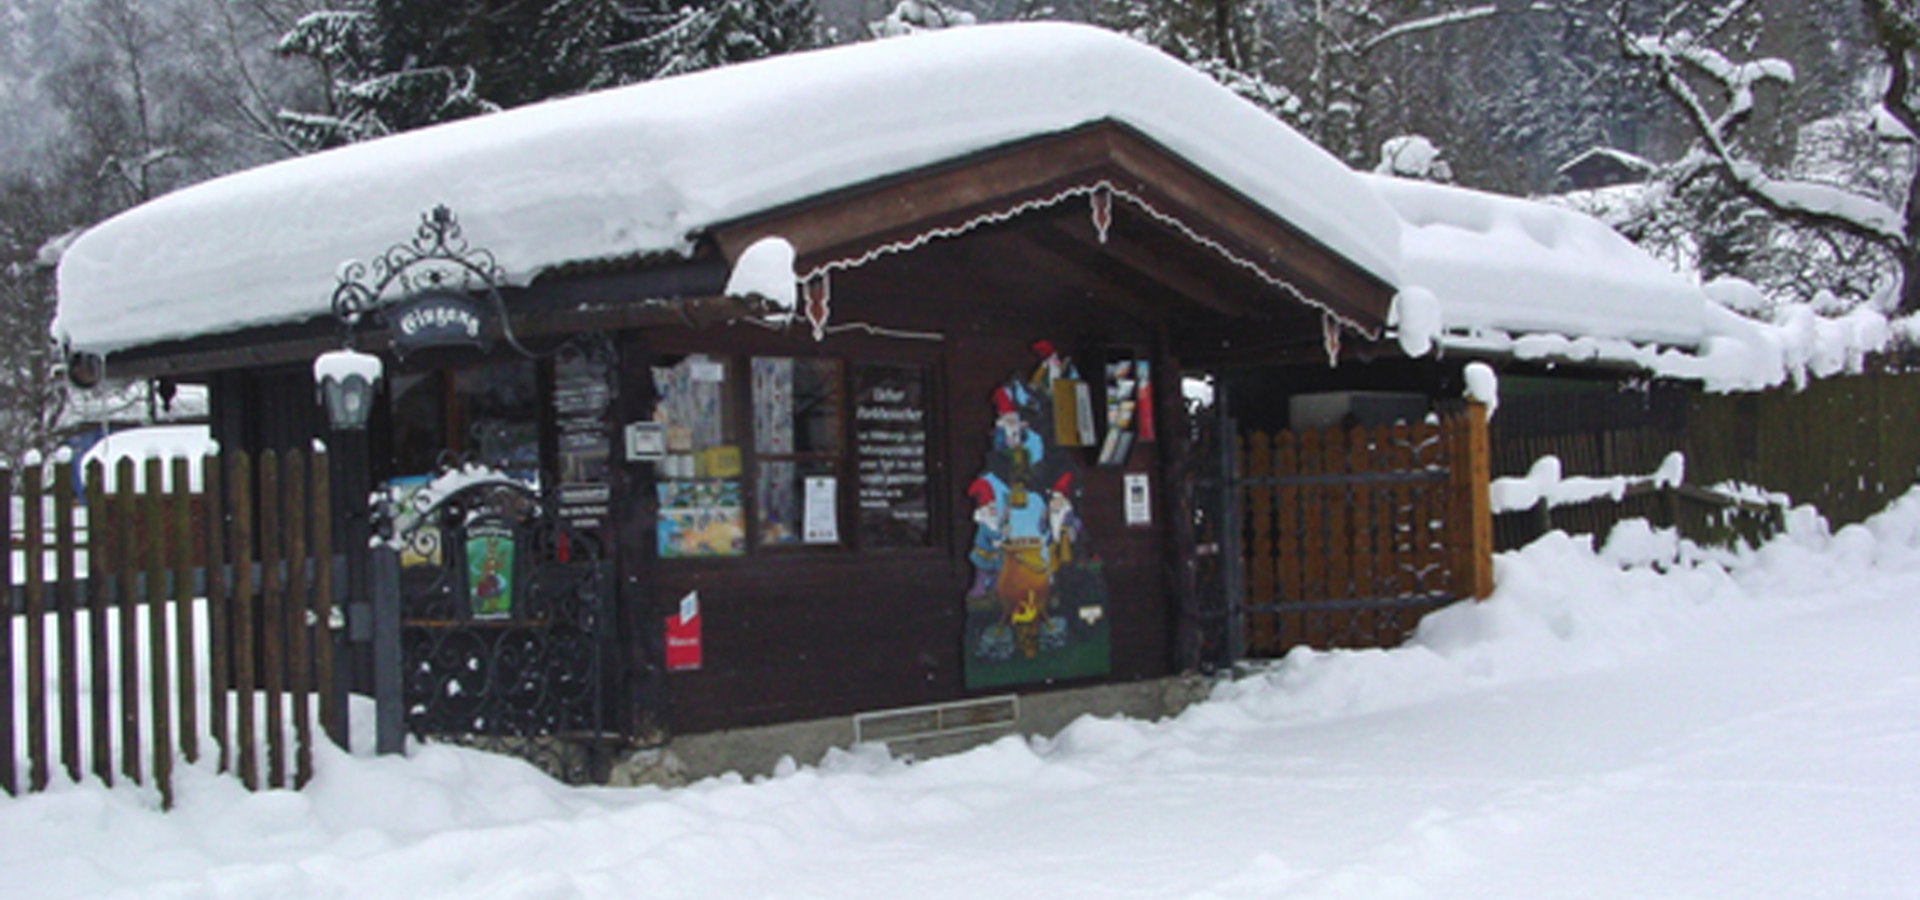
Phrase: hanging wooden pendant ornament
[818,298]
[1102,202]
[1330,339]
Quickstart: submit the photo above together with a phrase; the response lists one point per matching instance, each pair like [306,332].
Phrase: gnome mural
[1036,609]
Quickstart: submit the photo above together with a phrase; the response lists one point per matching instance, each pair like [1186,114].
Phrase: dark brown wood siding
[805,635]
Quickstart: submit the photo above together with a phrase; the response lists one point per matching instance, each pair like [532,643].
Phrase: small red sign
[683,644]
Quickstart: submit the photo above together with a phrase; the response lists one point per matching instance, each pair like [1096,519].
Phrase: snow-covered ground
[1637,722]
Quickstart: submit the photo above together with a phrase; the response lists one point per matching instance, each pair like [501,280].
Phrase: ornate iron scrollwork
[438,260]
[526,678]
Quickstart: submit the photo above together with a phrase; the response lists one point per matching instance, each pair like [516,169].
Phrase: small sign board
[439,318]
[683,636]
[490,571]
[646,441]
[1139,502]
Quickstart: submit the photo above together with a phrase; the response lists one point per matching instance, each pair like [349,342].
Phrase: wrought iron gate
[502,624]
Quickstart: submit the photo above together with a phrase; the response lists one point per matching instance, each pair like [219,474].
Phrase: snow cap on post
[1483,386]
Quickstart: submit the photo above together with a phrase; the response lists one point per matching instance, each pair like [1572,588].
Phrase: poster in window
[702,517]
[890,456]
[1036,609]
[821,523]
[490,551]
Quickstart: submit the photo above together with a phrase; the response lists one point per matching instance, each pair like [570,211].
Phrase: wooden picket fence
[153,623]
[1353,534]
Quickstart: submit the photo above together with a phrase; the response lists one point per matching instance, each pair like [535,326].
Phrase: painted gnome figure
[1027,535]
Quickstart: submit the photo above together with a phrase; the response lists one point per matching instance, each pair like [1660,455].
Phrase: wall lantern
[347,380]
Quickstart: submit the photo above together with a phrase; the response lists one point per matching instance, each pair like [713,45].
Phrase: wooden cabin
[934,475]
[952,470]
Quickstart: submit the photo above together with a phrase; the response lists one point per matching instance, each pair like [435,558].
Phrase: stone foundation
[756,751]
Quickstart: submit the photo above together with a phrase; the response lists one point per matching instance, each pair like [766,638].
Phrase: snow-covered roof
[1505,265]
[643,169]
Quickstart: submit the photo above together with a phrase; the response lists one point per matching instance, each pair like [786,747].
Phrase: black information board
[890,455]
[582,400]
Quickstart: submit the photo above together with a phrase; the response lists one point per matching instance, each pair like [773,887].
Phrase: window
[797,442]
[837,455]
[699,479]
[489,414]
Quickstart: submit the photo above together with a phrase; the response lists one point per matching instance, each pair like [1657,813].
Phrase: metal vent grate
[937,720]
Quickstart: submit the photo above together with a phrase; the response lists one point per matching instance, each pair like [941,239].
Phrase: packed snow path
[1601,728]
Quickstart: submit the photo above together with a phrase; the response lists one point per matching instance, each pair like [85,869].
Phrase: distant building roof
[1599,167]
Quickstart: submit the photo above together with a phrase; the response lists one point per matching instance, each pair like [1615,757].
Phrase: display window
[802,454]
[797,424]
[699,479]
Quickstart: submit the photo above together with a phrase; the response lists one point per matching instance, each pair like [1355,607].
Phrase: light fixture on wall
[346,381]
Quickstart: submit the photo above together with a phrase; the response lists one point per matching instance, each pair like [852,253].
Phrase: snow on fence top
[1512,266]
[645,168]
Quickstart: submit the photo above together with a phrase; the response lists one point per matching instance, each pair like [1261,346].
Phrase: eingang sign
[438,319]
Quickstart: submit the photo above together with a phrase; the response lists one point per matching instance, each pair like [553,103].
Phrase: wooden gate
[1349,536]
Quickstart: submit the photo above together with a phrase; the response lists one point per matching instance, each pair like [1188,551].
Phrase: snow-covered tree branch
[1719,95]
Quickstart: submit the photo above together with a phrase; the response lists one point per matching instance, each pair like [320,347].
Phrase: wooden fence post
[240,484]
[1473,504]
[273,617]
[299,598]
[9,779]
[124,569]
[66,594]
[35,622]
[213,562]
[186,650]
[155,522]
[99,602]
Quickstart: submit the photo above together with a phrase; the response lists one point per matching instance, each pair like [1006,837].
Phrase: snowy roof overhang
[655,169]
[1522,278]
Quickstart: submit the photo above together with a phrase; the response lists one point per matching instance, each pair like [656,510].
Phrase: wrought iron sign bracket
[430,291]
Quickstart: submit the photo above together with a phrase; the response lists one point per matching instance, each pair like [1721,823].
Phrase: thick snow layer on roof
[1510,265]
[641,169]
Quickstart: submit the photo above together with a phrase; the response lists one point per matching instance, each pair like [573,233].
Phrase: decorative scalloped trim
[1095,192]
